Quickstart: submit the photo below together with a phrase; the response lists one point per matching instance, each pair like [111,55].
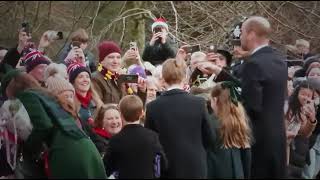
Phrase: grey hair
[198,54]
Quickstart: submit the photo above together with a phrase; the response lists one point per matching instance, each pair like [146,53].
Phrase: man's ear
[142,113]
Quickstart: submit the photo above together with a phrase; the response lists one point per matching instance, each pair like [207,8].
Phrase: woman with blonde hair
[87,102]
[230,158]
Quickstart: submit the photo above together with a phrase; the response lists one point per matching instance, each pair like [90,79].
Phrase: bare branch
[94,19]
[307,36]
[176,16]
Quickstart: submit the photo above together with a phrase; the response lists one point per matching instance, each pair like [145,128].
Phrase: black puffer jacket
[158,53]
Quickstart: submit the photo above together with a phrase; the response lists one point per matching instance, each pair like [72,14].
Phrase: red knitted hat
[107,47]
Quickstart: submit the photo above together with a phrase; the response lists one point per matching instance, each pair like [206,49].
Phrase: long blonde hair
[96,99]
[234,123]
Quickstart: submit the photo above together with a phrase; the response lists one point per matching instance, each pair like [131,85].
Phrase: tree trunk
[135,26]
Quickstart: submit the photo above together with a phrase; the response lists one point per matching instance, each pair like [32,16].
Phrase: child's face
[305,96]
[112,121]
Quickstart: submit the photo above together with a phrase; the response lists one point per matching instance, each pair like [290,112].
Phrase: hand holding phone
[309,110]
[75,44]
[192,49]
[133,46]
[212,49]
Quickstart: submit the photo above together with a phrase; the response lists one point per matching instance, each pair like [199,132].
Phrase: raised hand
[208,67]
[155,37]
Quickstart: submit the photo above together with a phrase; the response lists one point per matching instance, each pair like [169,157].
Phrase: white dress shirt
[174,86]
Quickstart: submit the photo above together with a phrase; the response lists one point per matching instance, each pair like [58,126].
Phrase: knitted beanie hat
[32,58]
[137,70]
[310,60]
[159,22]
[56,84]
[75,68]
[59,69]
[107,47]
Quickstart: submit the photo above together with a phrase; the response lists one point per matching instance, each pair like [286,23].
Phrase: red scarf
[85,101]
[102,132]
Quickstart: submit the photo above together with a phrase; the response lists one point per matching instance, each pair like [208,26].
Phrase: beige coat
[109,91]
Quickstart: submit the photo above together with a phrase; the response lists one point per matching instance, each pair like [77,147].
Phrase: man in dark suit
[263,82]
[183,125]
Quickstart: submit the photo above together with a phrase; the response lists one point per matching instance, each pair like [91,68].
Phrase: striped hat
[32,58]
[75,68]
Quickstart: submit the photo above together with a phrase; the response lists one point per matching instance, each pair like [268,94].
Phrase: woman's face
[151,91]
[112,121]
[314,73]
[82,82]
[67,95]
[305,96]
[112,62]
[221,61]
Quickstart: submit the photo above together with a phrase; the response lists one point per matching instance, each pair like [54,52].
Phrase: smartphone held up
[126,78]
[192,49]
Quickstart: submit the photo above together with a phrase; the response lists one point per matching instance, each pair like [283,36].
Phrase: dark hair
[80,35]
[22,82]
[294,105]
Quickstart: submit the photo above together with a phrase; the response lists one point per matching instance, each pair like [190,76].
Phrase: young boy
[135,152]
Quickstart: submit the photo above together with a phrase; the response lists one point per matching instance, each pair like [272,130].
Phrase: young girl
[231,156]
[300,122]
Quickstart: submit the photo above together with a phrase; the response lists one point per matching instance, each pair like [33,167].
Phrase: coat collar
[173,92]
[263,50]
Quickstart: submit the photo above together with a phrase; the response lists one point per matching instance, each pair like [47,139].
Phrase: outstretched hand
[207,67]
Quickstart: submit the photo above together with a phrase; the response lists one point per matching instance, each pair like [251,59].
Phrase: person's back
[134,151]
[182,122]
[264,84]
[178,118]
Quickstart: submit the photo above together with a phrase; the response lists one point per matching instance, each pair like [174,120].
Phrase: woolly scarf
[85,101]
[107,74]
[102,132]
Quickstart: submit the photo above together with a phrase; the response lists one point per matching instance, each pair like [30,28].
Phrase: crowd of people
[246,111]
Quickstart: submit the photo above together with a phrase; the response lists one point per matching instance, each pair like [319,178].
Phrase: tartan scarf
[107,74]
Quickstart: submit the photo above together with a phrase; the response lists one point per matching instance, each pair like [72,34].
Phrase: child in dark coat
[135,152]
